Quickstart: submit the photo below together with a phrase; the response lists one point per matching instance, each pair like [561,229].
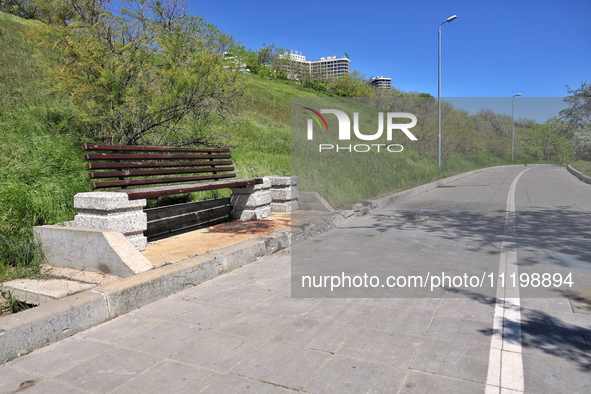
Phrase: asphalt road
[283,324]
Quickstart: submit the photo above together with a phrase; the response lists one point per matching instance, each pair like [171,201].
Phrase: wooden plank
[157,191]
[153,181]
[114,174]
[181,209]
[150,156]
[95,147]
[155,164]
[191,219]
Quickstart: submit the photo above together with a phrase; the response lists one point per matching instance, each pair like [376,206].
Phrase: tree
[150,74]
[578,119]
[547,141]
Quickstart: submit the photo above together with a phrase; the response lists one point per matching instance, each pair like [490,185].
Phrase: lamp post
[513,121]
[451,18]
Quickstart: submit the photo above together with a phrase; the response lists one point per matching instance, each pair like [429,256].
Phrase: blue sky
[493,49]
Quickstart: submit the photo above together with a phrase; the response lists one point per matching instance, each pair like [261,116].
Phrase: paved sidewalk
[243,333]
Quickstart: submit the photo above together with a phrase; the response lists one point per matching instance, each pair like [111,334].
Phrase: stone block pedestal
[284,193]
[251,203]
[113,211]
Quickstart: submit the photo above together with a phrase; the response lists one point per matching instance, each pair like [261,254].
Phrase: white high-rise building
[326,66]
[381,82]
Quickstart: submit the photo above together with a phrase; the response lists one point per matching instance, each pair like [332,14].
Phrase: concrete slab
[218,351]
[239,385]
[417,382]
[314,334]
[453,359]
[361,377]
[281,364]
[385,347]
[36,292]
[169,377]
[59,357]
[108,370]
[553,376]
[85,249]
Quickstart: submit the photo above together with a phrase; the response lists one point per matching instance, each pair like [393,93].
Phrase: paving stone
[108,370]
[556,344]
[405,322]
[50,387]
[218,351]
[550,320]
[208,316]
[242,298]
[231,280]
[170,377]
[121,328]
[473,332]
[466,308]
[167,308]
[558,304]
[381,346]
[347,375]
[453,359]
[59,357]
[417,382]
[281,364]
[552,376]
[239,385]
[313,334]
[340,312]
[412,304]
[282,305]
[258,325]
[165,339]
[12,379]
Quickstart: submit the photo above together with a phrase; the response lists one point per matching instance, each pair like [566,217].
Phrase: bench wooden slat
[152,181]
[87,147]
[155,164]
[114,174]
[151,156]
[144,174]
[157,191]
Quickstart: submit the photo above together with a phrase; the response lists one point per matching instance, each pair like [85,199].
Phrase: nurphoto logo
[345,130]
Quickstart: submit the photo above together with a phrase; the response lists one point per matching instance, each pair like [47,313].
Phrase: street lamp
[513,121]
[451,18]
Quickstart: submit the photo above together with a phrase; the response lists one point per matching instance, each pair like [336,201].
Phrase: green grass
[582,165]
[42,166]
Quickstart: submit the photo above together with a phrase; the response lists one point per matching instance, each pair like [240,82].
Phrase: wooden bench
[137,169]
[151,172]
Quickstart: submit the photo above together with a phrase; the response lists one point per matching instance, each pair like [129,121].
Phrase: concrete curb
[578,174]
[25,331]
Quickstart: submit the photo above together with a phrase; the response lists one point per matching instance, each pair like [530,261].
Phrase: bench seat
[153,192]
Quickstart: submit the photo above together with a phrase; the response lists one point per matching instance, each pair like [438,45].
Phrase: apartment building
[381,82]
[326,66]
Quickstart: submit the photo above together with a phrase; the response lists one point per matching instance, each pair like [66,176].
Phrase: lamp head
[518,94]
[451,18]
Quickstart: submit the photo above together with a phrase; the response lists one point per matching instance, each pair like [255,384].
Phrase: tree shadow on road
[543,333]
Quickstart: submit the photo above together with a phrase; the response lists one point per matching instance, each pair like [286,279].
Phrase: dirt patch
[248,227]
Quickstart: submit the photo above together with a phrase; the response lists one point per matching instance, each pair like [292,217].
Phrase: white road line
[505,364]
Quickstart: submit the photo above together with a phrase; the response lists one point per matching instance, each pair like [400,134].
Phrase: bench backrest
[123,166]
